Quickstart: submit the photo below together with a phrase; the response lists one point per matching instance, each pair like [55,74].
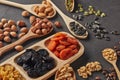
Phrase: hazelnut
[45,20]
[11,22]
[38,31]
[44,31]
[1,36]
[13,34]
[3,20]
[6,33]
[1,44]
[19,48]
[1,31]
[7,39]
[21,23]
[25,14]
[24,30]
[57,24]
[32,19]
[6,25]
[1,24]
[44,25]
[14,28]
[21,35]
[7,29]
[49,24]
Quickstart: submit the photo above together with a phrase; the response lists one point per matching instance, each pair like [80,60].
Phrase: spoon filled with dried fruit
[37,30]
[111,56]
[44,10]
[77,29]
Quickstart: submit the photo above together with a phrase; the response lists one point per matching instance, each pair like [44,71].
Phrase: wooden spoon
[23,39]
[66,66]
[28,8]
[113,62]
[68,20]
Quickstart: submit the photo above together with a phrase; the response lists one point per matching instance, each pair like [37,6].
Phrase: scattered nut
[25,14]
[24,30]
[19,48]
[21,23]
[7,39]
[3,20]
[1,25]
[1,44]
[11,22]
[32,19]
[21,35]
[6,33]
[13,34]
[14,28]
[6,25]
[57,24]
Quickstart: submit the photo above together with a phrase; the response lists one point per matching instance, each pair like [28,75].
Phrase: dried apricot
[56,53]
[60,34]
[72,40]
[60,47]
[64,42]
[73,46]
[64,53]
[51,45]
[74,51]
[57,38]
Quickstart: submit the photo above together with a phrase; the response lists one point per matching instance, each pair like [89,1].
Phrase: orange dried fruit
[51,45]
[74,51]
[56,53]
[64,53]
[72,40]
[64,42]
[60,34]
[73,46]
[57,38]
[60,47]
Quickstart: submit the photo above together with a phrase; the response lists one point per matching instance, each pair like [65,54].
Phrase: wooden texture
[115,66]
[41,45]
[72,4]
[23,39]
[28,8]
[67,21]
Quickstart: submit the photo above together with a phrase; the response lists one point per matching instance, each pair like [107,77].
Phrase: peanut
[19,48]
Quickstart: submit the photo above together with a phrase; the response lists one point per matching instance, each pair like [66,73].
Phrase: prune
[43,52]
[19,61]
[26,67]
[33,73]
[36,63]
[72,24]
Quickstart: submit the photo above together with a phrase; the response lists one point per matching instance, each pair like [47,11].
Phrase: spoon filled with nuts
[77,29]
[111,56]
[44,10]
[40,27]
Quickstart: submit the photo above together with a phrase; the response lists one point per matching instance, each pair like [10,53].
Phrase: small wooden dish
[72,5]
[41,45]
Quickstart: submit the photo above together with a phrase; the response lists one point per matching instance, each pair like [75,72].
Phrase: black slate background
[93,46]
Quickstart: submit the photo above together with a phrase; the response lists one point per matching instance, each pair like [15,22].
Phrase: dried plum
[36,63]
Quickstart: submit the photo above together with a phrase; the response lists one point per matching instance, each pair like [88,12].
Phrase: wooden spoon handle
[11,3]
[117,71]
[12,45]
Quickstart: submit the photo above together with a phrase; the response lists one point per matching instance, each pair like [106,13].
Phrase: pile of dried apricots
[63,46]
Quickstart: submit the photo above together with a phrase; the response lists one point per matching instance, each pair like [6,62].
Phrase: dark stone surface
[93,46]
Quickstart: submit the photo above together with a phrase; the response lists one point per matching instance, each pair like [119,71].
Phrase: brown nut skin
[44,31]
[7,29]
[49,24]
[57,24]
[51,13]
[21,23]
[6,25]
[1,25]
[13,34]
[1,31]
[25,14]
[49,9]
[24,30]
[45,20]
[7,39]
[11,22]
[42,8]
[44,25]
[42,15]
[1,36]
[6,33]
[21,35]
[3,20]
[14,28]
[32,19]
[19,48]
[1,44]
[38,31]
